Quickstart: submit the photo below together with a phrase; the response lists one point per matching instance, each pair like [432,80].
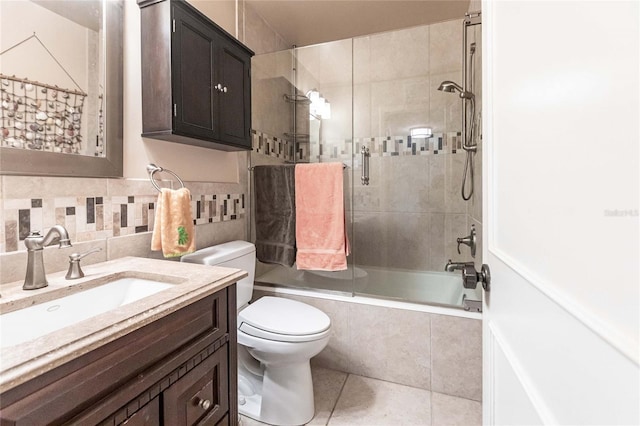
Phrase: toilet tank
[234,254]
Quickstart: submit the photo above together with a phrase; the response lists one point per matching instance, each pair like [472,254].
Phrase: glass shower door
[324,76]
[407,217]
[305,95]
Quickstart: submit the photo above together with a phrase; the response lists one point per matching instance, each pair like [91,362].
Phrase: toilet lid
[284,316]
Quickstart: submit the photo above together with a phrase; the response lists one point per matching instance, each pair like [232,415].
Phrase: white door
[561,135]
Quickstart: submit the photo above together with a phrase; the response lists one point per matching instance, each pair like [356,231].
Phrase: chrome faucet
[455,266]
[35,243]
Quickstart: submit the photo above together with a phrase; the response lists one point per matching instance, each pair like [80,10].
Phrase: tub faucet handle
[471,277]
[75,271]
[469,240]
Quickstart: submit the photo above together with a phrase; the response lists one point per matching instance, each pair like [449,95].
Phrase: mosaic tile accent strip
[99,217]
[390,146]
[272,146]
[217,208]
[381,146]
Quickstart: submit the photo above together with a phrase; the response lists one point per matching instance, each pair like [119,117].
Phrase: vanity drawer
[200,397]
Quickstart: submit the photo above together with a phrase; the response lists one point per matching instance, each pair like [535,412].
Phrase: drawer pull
[202,403]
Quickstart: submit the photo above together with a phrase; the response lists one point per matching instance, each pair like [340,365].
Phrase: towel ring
[152,168]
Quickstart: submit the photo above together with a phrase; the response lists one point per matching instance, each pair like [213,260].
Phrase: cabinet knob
[224,89]
[202,403]
[218,87]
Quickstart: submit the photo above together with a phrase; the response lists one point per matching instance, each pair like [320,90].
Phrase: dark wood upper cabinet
[196,78]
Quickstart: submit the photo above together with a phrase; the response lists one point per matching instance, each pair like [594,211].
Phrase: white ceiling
[306,22]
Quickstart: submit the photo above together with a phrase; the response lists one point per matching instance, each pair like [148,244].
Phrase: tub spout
[35,243]
[455,266]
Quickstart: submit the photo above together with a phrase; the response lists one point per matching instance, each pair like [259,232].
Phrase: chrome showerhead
[452,87]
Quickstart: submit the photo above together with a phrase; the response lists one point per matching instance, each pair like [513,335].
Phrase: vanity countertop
[25,361]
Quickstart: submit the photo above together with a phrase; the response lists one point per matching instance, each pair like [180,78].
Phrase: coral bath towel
[321,237]
[174,232]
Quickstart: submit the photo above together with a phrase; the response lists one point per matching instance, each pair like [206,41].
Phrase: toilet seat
[284,338]
[284,320]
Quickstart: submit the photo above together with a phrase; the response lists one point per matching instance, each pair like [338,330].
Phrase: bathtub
[426,291]
[404,327]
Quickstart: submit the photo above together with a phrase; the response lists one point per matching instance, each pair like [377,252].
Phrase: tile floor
[348,399]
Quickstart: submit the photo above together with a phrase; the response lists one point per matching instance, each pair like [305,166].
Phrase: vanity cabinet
[196,78]
[178,370]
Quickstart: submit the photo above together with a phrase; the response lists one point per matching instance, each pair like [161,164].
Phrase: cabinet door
[193,57]
[200,396]
[235,98]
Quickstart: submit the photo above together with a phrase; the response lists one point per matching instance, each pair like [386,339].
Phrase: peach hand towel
[174,232]
[321,237]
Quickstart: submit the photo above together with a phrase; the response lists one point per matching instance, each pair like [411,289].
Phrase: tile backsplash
[100,216]
[116,215]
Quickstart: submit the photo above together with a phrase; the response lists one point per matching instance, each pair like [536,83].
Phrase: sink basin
[37,320]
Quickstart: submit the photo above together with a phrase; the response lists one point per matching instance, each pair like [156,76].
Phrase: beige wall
[191,163]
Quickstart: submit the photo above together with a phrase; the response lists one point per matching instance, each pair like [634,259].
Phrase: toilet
[277,338]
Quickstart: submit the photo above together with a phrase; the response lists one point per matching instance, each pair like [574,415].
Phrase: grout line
[388,381]
[338,398]
[457,396]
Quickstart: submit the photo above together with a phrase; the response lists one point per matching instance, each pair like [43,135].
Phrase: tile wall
[411,213]
[441,353]
[116,214]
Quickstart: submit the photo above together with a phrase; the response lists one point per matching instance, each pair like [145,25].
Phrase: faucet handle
[469,240]
[78,256]
[75,271]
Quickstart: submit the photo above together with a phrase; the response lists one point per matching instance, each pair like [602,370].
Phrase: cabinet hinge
[175,110]
[174,25]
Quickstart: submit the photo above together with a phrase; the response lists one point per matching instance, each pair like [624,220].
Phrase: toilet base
[283,396]
[249,394]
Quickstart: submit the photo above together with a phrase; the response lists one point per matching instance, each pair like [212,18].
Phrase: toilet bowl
[277,337]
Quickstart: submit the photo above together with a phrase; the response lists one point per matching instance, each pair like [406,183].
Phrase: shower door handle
[365,165]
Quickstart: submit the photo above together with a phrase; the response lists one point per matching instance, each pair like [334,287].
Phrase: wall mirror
[61,88]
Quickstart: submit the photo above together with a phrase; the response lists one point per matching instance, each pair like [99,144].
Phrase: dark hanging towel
[275,214]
